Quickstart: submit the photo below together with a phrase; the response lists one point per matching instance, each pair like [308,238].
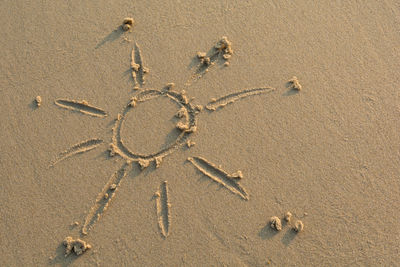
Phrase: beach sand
[327,152]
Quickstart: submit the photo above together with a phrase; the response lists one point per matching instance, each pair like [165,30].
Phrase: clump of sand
[38,101]
[113,186]
[112,150]
[182,126]
[288,216]
[76,223]
[127,24]
[203,58]
[276,223]
[143,163]
[294,84]
[190,143]
[298,226]
[77,246]
[158,161]
[223,48]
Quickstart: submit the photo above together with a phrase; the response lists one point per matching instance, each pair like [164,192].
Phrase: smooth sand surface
[329,153]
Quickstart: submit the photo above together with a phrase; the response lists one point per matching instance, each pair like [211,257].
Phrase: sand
[328,153]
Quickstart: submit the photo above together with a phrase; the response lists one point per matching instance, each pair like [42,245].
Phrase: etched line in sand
[104,198]
[138,69]
[81,106]
[79,148]
[163,207]
[143,96]
[228,99]
[229,181]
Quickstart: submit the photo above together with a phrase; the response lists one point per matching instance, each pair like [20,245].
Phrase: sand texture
[200,133]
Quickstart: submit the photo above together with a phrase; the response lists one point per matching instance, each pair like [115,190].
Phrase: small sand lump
[38,100]
[169,86]
[143,163]
[128,21]
[223,49]
[127,24]
[190,143]
[206,61]
[77,246]
[126,27]
[158,161]
[113,186]
[224,46]
[294,83]
[276,223]
[201,55]
[237,175]
[298,226]
[288,216]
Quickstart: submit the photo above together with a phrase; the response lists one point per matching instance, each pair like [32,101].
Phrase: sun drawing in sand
[187,112]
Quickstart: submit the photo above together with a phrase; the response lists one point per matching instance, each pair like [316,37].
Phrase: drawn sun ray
[104,197]
[138,69]
[81,106]
[79,148]
[163,207]
[187,124]
[228,99]
[217,174]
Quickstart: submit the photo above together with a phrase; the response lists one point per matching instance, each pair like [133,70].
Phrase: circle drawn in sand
[187,112]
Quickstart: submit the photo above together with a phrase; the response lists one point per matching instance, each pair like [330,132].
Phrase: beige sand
[328,153]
